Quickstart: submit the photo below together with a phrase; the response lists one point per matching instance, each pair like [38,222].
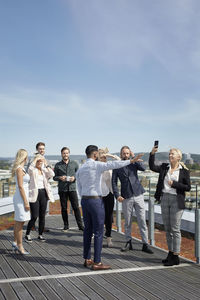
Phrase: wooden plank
[97,288]
[42,286]
[47,290]
[176,283]
[72,289]
[21,291]
[114,290]
[87,290]
[129,287]
[62,292]
[154,287]
[2,296]
[34,291]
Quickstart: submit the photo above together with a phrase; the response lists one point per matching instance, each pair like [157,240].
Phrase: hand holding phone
[156,144]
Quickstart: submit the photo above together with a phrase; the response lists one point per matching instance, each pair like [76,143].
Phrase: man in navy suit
[132,198]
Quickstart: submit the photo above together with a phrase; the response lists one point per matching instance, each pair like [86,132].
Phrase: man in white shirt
[89,188]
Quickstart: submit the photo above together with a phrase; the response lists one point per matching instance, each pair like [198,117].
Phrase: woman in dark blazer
[173,182]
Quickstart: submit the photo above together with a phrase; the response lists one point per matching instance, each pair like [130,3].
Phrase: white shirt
[171,176]
[40,182]
[106,184]
[89,175]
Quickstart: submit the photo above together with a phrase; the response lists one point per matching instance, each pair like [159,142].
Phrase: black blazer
[181,186]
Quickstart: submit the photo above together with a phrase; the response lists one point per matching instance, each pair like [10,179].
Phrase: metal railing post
[151,217]
[118,217]
[197,230]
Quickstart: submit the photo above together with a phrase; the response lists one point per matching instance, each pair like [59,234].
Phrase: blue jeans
[93,217]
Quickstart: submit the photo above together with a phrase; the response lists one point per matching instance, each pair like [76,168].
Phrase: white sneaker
[28,238]
[109,242]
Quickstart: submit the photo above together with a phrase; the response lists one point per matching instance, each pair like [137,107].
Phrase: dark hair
[122,148]
[65,148]
[39,144]
[90,149]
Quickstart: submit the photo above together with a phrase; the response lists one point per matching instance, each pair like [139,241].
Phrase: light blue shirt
[88,177]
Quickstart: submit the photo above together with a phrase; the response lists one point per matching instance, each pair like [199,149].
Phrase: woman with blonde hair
[20,199]
[39,194]
[173,182]
[107,194]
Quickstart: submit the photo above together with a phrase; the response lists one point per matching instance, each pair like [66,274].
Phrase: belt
[91,197]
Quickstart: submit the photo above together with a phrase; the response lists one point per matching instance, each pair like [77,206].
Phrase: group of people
[97,184]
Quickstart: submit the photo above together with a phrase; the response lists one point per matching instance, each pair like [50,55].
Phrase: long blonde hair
[178,151]
[21,155]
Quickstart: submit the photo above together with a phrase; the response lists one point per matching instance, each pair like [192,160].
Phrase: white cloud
[129,32]
[52,108]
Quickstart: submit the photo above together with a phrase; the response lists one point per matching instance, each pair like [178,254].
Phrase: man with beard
[65,174]
[132,198]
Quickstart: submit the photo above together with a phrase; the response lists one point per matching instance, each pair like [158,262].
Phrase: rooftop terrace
[54,270]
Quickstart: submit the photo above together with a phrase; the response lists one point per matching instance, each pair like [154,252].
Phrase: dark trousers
[38,209]
[72,196]
[109,205]
[93,217]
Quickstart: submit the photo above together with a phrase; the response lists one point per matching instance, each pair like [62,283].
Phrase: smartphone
[156,144]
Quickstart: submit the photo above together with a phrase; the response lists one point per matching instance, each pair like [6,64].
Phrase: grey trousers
[128,205]
[171,216]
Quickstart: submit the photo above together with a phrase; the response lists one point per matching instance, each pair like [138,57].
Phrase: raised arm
[152,166]
[49,173]
[117,164]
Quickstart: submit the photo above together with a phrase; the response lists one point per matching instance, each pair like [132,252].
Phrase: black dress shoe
[128,246]
[170,253]
[147,249]
[173,260]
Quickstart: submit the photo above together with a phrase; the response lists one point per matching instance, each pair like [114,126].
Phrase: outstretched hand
[137,158]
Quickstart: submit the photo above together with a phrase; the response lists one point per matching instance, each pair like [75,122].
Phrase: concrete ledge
[187,222]
[6,204]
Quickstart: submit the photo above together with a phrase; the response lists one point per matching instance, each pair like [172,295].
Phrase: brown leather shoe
[100,266]
[88,263]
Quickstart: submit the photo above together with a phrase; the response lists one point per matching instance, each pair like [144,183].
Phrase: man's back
[89,175]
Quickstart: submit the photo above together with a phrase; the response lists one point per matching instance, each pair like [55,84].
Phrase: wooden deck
[54,270]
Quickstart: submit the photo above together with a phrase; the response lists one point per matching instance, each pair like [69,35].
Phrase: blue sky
[104,72]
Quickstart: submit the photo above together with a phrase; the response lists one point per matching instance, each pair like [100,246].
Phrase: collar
[90,159]
[62,161]
[179,167]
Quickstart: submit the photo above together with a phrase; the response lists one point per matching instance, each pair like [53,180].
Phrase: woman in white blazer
[39,193]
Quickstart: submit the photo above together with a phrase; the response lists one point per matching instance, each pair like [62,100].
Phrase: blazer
[181,186]
[33,185]
[130,184]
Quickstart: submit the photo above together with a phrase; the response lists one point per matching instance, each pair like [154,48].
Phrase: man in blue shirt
[89,187]
[131,198]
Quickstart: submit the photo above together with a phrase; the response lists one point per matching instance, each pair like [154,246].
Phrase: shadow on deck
[54,270]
